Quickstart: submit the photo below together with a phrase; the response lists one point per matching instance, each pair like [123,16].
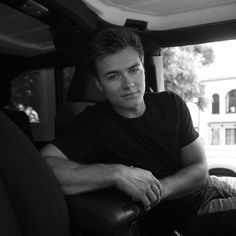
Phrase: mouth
[130,94]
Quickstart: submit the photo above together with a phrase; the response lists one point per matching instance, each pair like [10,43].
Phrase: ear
[98,83]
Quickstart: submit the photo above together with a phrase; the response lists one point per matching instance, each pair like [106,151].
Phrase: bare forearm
[76,178]
[184,182]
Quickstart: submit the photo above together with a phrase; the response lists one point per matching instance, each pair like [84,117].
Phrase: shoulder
[160,95]
[166,102]
[96,109]
[165,98]
[92,113]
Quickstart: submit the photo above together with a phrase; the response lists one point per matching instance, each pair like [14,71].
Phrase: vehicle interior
[44,74]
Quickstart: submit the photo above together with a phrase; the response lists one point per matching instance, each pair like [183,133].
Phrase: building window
[215,104]
[231,101]
[215,136]
[230,136]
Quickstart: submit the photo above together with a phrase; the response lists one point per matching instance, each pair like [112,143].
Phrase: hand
[140,184]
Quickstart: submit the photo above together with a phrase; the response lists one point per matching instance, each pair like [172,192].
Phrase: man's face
[122,80]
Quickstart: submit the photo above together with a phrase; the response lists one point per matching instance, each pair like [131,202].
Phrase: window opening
[215,104]
[24,95]
[215,136]
[230,136]
[204,77]
[231,101]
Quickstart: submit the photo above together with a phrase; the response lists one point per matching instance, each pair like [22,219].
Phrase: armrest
[103,212]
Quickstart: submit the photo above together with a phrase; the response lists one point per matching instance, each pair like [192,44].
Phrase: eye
[114,76]
[134,70]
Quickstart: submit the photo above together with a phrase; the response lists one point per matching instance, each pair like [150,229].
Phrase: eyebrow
[136,64]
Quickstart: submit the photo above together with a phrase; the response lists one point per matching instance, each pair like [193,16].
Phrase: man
[144,144]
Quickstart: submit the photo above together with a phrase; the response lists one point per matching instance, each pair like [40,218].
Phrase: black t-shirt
[152,141]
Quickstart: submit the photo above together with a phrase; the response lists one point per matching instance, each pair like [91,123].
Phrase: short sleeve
[187,132]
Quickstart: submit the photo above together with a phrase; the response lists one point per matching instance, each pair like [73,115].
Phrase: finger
[157,183]
[146,203]
[152,197]
[157,192]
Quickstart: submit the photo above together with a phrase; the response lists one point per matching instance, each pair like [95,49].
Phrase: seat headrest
[83,87]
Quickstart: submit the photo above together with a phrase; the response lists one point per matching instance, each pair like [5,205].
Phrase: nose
[127,82]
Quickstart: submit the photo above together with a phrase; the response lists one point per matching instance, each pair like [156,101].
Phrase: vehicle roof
[164,14]
[28,27]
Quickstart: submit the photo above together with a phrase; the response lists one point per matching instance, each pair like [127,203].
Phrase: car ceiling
[174,21]
[21,34]
[164,14]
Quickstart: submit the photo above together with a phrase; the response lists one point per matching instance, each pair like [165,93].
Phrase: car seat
[32,203]
[82,92]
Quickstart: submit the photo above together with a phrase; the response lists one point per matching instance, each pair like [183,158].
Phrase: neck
[133,112]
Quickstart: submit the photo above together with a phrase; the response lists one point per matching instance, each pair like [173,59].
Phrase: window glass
[215,136]
[34,93]
[24,95]
[230,136]
[231,101]
[215,104]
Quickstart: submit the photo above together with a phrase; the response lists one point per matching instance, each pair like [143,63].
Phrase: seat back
[82,92]
[31,201]
[20,119]
[83,87]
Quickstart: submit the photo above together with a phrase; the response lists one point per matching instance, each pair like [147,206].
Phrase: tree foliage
[25,96]
[180,71]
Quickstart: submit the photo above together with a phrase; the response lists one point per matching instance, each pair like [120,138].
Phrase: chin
[132,105]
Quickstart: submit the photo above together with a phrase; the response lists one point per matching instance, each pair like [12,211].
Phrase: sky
[225,61]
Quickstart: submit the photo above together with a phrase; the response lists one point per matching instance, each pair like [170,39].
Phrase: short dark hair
[110,41]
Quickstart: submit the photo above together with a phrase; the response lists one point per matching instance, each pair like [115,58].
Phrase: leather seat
[32,203]
[82,92]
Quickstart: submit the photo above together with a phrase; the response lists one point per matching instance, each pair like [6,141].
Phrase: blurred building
[217,123]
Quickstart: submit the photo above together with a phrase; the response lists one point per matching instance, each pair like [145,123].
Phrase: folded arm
[75,178]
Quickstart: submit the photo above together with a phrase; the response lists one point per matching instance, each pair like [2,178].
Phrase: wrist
[117,175]
[164,193]
[113,173]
